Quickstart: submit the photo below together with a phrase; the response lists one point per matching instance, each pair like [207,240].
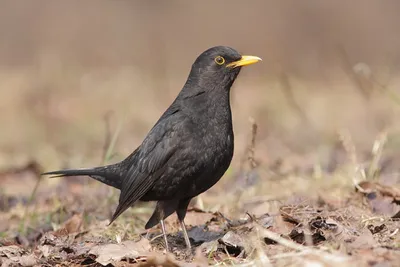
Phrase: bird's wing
[150,161]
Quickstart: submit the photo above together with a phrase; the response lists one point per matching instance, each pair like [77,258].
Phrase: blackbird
[189,148]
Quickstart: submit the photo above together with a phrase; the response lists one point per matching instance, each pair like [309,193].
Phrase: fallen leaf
[73,224]
[232,239]
[54,243]
[265,220]
[167,261]
[323,224]
[286,213]
[16,256]
[365,240]
[337,231]
[376,229]
[11,251]
[200,234]
[46,250]
[281,226]
[194,218]
[301,236]
[389,191]
[159,260]
[106,254]
[209,247]
[25,260]
[397,215]
[234,242]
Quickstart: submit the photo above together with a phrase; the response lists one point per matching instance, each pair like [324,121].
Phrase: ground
[264,218]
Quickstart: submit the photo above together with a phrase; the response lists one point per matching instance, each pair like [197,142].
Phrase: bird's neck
[208,105]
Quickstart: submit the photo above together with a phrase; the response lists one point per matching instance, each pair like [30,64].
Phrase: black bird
[189,148]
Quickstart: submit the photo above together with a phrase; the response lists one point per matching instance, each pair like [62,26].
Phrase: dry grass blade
[288,91]
[356,172]
[377,151]
[302,250]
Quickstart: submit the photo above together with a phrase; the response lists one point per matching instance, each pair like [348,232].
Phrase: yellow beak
[244,61]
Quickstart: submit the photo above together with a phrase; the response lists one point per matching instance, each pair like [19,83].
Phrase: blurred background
[82,83]
[71,70]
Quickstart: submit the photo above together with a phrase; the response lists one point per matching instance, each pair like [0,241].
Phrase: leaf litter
[64,224]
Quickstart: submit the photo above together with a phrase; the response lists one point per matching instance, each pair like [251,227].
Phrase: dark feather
[153,156]
[101,174]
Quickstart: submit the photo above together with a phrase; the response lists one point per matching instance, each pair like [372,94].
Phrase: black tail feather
[101,174]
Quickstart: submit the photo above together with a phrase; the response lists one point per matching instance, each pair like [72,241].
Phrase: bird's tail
[106,175]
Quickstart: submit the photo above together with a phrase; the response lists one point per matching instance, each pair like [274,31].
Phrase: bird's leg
[181,212]
[185,234]
[164,234]
[161,212]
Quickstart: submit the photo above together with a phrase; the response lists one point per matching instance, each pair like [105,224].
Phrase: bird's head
[218,67]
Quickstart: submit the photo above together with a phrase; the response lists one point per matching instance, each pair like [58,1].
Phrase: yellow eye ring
[219,60]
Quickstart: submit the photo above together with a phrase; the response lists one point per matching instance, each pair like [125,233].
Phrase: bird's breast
[215,135]
[205,155]
[216,152]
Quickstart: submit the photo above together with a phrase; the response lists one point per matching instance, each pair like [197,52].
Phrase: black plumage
[188,149]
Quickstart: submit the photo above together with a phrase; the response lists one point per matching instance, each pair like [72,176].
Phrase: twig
[249,156]
[291,254]
[111,146]
[303,249]
[287,90]
[282,241]
[31,197]
[377,151]
[107,138]
[394,232]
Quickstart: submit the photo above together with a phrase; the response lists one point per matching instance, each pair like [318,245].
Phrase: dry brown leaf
[287,214]
[383,205]
[109,253]
[11,251]
[306,237]
[337,232]
[73,224]
[374,229]
[397,215]
[239,242]
[200,234]
[281,226]
[25,260]
[194,218]
[364,241]
[232,239]
[209,247]
[16,256]
[167,261]
[63,245]
[159,260]
[389,191]
[382,199]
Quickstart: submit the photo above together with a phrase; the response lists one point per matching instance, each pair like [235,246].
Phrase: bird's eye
[219,60]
